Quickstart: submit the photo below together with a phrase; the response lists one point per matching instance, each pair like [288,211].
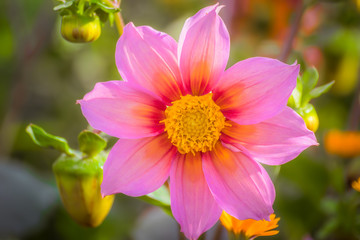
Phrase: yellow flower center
[194,123]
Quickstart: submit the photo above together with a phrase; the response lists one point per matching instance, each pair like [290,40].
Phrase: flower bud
[310,117]
[79,181]
[80,29]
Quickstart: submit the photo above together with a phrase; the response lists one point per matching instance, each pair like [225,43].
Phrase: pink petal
[122,111]
[255,89]
[192,204]
[240,185]
[148,58]
[274,141]
[137,167]
[203,50]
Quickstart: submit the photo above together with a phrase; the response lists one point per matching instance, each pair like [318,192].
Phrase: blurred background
[42,75]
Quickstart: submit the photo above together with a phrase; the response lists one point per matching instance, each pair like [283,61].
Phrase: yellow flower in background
[356,185]
[250,228]
[343,143]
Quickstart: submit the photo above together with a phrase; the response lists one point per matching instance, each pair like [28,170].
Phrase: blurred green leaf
[44,139]
[91,143]
[160,198]
[318,91]
[337,179]
[327,230]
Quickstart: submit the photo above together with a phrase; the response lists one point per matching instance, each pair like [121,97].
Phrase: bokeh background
[42,76]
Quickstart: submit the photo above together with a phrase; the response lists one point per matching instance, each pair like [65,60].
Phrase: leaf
[67,4]
[160,198]
[309,80]
[44,139]
[91,143]
[316,92]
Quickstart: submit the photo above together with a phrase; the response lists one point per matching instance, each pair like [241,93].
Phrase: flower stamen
[194,123]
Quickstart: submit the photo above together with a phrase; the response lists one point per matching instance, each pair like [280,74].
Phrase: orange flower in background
[356,185]
[250,228]
[343,143]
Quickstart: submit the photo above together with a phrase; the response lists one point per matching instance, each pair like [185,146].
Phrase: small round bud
[80,29]
[310,117]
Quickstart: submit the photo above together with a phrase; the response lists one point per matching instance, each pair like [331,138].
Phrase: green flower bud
[78,181]
[308,113]
[80,29]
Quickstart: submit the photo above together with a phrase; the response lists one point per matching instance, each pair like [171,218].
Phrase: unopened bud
[79,183]
[310,117]
[80,29]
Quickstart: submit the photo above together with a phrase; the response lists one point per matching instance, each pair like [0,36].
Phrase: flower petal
[148,58]
[240,185]
[137,167]
[192,204]
[204,46]
[274,141]
[255,89]
[122,111]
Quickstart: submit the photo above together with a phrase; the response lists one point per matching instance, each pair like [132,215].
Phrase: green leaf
[44,139]
[160,198]
[316,92]
[91,143]
[309,80]
[67,4]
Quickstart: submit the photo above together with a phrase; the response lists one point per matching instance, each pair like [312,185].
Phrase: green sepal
[78,180]
[44,139]
[296,96]
[65,5]
[102,15]
[76,165]
[105,7]
[309,80]
[111,19]
[91,143]
[318,91]
[160,198]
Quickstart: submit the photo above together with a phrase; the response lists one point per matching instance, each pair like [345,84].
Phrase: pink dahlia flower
[179,114]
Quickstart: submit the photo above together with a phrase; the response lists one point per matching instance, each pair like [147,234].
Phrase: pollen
[194,123]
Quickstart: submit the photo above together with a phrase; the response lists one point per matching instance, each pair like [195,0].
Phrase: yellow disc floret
[194,123]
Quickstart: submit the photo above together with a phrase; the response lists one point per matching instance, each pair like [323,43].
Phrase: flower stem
[285,52]
[218,232]
[119,22]
[354,115]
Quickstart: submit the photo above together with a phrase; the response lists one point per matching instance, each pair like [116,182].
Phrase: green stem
[354,115]
[218,232]
[119,22]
